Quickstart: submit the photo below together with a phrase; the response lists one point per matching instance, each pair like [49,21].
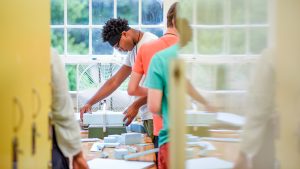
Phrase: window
[76,27]
[228,36]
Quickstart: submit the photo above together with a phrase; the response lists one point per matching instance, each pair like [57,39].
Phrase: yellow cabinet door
[25,93]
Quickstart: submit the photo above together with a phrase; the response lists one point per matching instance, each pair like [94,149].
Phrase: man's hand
[86,108]
[130,113]
[79,161]
[210,108]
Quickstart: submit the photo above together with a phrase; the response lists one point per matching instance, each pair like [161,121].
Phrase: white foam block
[120,153]
[191,138]
[110,139]
[199,118]
[118,137]
[100,117]
[131,138]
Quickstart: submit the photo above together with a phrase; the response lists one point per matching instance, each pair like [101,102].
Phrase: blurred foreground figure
[66,132]
[257,146]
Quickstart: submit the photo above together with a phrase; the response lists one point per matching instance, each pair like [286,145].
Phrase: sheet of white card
[117,164]
[230,118]
[208,163]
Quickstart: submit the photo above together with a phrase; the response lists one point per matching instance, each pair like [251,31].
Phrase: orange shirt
[142,61]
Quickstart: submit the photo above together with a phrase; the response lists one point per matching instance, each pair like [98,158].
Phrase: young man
[144,55]
[119,35]
[157,82]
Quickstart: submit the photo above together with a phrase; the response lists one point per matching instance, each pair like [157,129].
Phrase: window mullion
[115,8]
[247,28]
[140,14]
[65,28]
[90,28]
[226,30]
[195,31]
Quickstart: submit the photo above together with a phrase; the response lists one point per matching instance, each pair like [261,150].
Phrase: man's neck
[137,35]
[172,30]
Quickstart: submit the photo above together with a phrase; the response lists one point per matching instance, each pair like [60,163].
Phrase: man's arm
[154,100]
[134,88]
[198,97]
[133,109]
[109,86]
[79,161]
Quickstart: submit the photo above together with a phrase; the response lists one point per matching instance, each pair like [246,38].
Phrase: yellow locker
[25,95]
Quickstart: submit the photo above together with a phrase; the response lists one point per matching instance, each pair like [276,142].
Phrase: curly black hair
[114,27]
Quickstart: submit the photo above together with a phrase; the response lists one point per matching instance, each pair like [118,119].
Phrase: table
[224,150]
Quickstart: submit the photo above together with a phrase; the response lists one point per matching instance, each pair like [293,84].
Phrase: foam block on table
[195,118]
[131,138]
[120,153]
[110,139]
[192,138]
[101,117]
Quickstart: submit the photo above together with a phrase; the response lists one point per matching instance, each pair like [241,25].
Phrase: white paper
[204,144]
[221,139]
[117,164]
[95,146]
[231,119]
[208,163]
[90,139]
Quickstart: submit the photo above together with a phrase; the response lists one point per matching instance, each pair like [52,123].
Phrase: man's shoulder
[151,44]
[150,36]
[168,52]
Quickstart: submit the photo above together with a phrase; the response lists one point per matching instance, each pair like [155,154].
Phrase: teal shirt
[158,78]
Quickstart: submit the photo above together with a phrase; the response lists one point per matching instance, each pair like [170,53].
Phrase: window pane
[78,41]
[237,41]
[152,12]
[237,11]
[186,10]
[71,74]
[128,9]
[78,12]
[156,31]
[211,12]
[233,76]
[258,40]
[99,47]
[57,12]
[201,75]
[102,11]
[92,76]
[57,40]
[210,41]
[258,11]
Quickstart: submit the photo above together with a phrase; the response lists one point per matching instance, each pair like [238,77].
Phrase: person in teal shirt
[157,82]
